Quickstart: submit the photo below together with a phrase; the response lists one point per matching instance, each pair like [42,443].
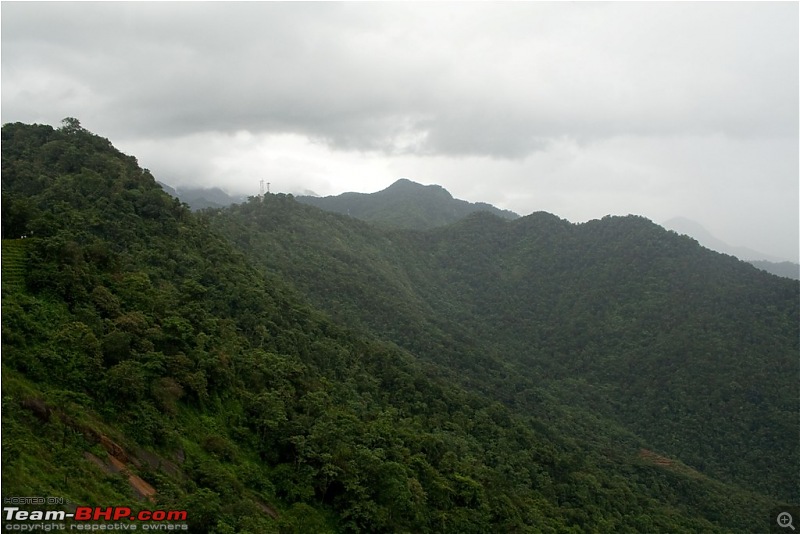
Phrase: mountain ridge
[404,204]
[511,270]
[394,214]
[202,197]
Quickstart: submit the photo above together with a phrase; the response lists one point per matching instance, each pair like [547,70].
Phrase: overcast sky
[580,109]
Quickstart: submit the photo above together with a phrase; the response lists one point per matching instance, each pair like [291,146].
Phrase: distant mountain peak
[406,186]
[405,204]
[202,197]
[405,182]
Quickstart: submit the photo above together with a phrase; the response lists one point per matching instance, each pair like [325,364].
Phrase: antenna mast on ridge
[261,194]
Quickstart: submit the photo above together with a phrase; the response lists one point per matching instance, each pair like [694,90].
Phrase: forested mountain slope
[133,333]
[693,351]
[404,204]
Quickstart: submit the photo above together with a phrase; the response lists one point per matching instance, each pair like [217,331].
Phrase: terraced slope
[14,253]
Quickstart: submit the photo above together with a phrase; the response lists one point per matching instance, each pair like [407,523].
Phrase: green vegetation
[14,254]
[693,351]
[275,368]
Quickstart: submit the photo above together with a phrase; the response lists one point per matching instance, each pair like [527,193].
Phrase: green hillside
[277,368]
[13,263]
[692,351]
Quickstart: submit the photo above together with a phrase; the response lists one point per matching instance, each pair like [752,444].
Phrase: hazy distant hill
[763,261]
[786,269]
[696,231]
[405,204]
[200,197]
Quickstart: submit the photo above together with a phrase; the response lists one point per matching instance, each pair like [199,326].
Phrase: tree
[71,125]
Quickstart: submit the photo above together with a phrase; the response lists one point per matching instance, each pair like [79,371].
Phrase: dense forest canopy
[271,367]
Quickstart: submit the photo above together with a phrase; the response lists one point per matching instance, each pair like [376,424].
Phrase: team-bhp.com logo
[87,513]
[149,519]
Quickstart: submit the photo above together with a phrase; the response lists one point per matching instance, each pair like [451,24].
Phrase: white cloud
[577,108]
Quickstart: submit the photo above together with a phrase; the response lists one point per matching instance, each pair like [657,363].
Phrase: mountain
[695,230]
[404,204]
[272,367]
[785,269]
[763,261]
[645,329]
[203,197]
[760,260]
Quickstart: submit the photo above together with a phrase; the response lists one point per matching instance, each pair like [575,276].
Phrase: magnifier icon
[785,520]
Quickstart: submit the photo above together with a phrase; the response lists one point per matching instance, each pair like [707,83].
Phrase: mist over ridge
[408,204]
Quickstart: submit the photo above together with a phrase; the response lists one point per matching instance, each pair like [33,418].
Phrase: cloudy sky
[580,109]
